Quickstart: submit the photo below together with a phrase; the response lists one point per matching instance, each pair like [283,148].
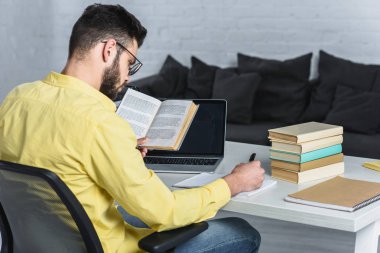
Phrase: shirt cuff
[220,191]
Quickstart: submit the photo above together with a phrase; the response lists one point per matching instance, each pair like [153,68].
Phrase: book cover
[338,193]
[309,175]
[299,167]
[308,146]
[305,132]
[306,157]
[375,165]
[164,123]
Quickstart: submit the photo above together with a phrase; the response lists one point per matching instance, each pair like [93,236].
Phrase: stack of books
[305,152]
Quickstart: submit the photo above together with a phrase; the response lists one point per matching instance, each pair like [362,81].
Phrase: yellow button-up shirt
[65,125]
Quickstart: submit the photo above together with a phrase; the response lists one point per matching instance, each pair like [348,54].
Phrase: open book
[164,123]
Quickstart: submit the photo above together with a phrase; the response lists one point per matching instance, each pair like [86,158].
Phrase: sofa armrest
[166,240]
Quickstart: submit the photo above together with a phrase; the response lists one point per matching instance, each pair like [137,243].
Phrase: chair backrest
[5,233]
[43,215]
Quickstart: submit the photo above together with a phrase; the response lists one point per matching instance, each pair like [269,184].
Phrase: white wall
[216,30]
[34,34]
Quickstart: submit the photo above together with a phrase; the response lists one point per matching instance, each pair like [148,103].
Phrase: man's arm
[118,168]
[245,177]
[142,150]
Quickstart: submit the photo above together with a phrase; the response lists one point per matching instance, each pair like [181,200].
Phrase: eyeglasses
[133,68]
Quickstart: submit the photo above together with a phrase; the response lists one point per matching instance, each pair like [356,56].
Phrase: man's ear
[109,50]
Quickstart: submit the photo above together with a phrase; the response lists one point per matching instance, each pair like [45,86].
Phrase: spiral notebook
[338,193]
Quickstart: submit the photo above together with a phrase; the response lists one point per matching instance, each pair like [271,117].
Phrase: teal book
[305,157]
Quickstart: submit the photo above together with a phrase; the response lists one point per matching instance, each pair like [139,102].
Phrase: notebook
[338,193]
[375,165]
[206,178]
[202,149]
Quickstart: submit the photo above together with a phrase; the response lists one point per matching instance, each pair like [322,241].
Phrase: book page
[168,122]
[199,180]
[267,183]
[139,110]
[206,178]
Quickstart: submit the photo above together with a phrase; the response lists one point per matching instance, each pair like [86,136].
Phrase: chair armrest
[162,241]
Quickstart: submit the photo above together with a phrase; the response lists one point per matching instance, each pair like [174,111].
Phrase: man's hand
[245,177]
[141,141]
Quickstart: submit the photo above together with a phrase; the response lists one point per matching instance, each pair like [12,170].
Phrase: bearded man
[67,123]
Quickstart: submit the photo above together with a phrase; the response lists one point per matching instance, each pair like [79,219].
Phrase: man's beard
[111,79]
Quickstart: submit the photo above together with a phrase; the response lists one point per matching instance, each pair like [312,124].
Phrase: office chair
[6,239]
[39,213]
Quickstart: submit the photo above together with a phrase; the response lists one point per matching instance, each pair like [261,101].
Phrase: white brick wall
[34,34]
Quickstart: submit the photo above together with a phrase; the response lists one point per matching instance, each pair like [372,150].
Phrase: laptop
[202,149]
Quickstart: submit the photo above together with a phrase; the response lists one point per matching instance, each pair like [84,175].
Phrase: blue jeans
[222,236]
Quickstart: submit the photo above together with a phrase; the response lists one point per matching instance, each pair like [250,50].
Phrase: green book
[305,157]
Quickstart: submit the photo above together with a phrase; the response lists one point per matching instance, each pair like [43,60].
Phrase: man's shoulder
[24,88]
[103,117]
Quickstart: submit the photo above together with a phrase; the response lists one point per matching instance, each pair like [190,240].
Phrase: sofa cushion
[141,85]
[200,79]
[376,84]
[284,91]
[356,144]
[171,81]
[355,110]
[334,71]
[255,133]
[239,91]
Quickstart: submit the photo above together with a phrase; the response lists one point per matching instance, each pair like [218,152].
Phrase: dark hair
[100,22]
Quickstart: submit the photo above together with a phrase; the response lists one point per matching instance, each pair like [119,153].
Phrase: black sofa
[264,94]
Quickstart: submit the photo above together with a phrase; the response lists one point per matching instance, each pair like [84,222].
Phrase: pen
[252,157]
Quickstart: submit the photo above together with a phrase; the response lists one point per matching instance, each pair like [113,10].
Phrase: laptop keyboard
[181,160]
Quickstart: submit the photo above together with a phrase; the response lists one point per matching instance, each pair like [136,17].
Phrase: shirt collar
[71,82]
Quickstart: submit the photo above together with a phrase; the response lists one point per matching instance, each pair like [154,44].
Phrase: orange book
[338,193]
[299,167]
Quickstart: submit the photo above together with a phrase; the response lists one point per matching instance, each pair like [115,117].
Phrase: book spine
[319,134]
[300,167]
[322,172]
[320,153]
[321,143]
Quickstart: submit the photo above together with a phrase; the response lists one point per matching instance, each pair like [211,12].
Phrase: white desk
[270,204]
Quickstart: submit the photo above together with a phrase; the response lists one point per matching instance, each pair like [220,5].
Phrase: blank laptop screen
[206,135]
